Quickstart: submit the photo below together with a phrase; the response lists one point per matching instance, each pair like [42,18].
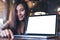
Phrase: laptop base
[30,36]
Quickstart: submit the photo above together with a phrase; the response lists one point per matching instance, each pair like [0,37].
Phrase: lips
[20,16]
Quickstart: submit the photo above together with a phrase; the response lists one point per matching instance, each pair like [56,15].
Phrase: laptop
[41,26]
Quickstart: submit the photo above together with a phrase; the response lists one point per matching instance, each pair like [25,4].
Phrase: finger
[1,34]
[11,34]
[4,34]
[7,33]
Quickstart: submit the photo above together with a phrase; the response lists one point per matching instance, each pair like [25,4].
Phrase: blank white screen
[41,25]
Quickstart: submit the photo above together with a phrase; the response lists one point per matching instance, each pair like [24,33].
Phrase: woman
[19,21]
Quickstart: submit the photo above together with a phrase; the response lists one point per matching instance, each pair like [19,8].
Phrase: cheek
[23,13]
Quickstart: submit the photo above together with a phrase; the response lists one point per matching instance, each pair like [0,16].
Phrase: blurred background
[36,7]
[47,6]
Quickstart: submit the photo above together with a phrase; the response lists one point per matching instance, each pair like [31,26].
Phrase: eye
[22,9]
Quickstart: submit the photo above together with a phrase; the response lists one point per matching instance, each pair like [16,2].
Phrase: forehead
[20,6]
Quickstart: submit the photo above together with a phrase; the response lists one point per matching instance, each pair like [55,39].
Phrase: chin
[20,19]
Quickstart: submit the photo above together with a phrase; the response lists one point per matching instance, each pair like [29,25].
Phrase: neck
[22,22]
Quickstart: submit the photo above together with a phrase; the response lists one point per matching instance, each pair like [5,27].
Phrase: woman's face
[20,12]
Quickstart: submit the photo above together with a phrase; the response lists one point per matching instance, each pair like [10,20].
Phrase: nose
[19,13]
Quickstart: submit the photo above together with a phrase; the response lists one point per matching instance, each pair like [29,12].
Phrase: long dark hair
[16,21]
[26,12]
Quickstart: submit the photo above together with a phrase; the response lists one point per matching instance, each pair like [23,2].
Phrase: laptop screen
[45,24]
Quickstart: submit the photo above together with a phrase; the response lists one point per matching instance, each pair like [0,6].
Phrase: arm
[4,32]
